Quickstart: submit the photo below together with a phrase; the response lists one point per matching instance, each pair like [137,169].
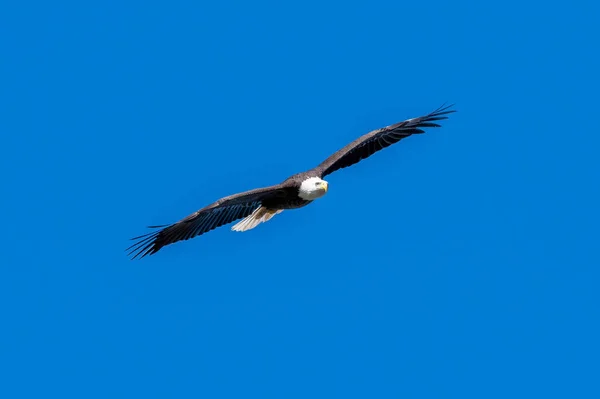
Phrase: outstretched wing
[223,211]
[376,140]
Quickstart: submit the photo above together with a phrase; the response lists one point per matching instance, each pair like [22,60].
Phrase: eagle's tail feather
[260,215]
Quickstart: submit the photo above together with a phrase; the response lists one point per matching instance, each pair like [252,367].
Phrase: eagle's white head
[312,188]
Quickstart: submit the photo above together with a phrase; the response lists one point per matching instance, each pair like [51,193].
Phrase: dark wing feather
[225,210]
[376,140]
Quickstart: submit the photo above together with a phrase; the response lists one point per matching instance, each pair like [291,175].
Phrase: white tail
[260,215]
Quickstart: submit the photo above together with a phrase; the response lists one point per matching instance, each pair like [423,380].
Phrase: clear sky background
[462,263]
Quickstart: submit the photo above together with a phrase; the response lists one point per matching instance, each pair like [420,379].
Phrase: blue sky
[462,263]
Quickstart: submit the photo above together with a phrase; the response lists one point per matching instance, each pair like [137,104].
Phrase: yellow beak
[325,185]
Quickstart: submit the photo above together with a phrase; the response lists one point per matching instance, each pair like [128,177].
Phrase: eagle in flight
[261,204]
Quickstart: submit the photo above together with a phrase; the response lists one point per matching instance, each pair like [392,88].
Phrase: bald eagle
[261,204]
